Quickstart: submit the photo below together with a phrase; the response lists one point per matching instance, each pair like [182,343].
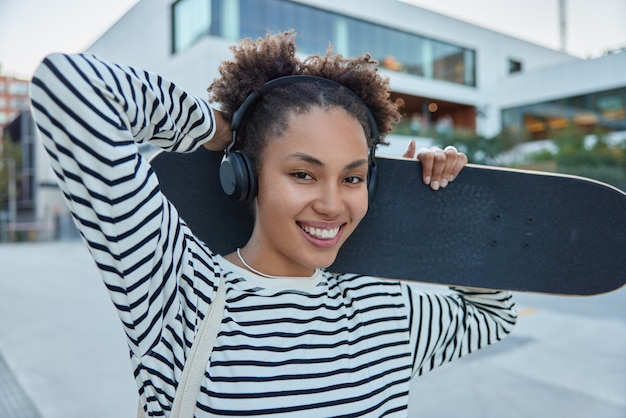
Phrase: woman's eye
[302,175]
[354,179]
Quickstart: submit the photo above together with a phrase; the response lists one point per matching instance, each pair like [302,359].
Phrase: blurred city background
[517,84]
[502,99]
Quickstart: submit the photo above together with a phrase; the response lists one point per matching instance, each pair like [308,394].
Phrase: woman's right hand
[222,136]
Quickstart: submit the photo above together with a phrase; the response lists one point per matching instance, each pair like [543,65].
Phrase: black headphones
[236,172]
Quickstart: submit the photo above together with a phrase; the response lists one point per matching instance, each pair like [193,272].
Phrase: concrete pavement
[63,353]
[59,333]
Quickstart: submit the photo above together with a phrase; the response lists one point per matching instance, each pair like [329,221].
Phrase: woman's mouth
[321,233]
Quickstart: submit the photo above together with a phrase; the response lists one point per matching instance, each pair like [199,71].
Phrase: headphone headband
[236,173]
[256,95]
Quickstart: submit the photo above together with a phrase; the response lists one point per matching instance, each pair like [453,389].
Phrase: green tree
[589,155]
[479,149]
[593,155]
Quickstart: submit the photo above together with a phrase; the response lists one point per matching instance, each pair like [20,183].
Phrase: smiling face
[312,193]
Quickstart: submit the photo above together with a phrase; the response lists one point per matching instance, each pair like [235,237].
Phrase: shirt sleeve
[445,327]
[91,115]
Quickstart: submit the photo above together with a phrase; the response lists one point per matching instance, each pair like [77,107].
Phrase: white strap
[196,364]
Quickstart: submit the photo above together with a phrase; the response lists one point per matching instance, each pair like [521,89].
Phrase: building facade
[446,73]
[13,98]
[442,69]
[589,94]
[16,183]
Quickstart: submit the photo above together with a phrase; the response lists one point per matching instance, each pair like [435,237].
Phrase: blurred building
[31,204]
[442,69]
[17,181]
[13,98]
[448,74]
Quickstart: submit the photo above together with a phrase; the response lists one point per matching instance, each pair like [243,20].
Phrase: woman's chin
[326,260]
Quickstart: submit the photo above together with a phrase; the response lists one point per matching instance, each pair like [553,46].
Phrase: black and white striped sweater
[328,345]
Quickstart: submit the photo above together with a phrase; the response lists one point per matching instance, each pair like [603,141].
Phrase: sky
[30,29]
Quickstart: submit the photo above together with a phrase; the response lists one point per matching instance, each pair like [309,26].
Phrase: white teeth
[321,233]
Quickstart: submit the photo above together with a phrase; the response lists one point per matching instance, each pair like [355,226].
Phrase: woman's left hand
[439,166]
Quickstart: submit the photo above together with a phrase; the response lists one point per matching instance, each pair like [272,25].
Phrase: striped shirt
[337,345]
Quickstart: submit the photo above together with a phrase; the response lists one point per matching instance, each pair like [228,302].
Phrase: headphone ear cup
[252,180]
[236,176]
[372,180]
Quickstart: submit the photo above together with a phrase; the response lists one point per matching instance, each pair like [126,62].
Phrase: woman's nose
[329,201]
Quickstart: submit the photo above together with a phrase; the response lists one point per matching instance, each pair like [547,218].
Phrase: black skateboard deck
[491,228]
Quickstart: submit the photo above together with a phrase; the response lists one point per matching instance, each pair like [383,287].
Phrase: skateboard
[492,227]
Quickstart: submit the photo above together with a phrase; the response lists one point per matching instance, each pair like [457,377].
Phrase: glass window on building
[515,66]
[610,106]
[254,19]
[448,63]
[21,103]
[315,27]
[191,20]
[602,110]
[18,87]
[395,50]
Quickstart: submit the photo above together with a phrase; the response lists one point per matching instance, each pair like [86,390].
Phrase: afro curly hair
[258,61]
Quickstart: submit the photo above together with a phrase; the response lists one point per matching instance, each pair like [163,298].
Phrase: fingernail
[444,183]
[427,180]
[435,185]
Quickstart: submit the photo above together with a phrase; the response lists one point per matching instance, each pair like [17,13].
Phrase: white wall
[583,77]
[141,37]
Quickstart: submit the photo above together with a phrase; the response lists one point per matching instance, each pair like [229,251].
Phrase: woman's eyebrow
[306,158]
[356,164]
[318,163]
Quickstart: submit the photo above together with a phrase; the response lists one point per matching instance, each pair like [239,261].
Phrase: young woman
[295,339]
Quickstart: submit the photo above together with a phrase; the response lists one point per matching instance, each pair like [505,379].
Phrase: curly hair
[259,61]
